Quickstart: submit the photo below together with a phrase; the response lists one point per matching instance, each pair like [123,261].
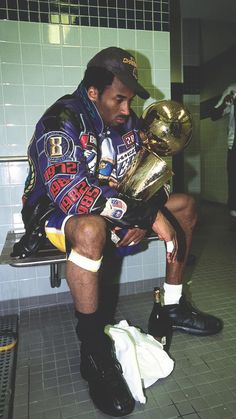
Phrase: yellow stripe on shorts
[56,237]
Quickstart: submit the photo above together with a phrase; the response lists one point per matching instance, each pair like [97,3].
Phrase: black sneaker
[189,319]
[107,386]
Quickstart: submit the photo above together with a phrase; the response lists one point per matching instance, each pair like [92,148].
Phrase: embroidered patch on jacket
[128,139]
[58,145]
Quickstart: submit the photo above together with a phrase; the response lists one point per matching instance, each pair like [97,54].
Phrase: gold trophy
[146,174]
[166,129]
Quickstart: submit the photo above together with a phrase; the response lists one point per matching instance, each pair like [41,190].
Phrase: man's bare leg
[182,214]
[87,236]
[99,366]
[183,208]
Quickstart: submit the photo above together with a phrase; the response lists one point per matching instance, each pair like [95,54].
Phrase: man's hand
[166,232]
[128,213]
[133,236]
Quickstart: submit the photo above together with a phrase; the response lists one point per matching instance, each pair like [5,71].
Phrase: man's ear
[92,93]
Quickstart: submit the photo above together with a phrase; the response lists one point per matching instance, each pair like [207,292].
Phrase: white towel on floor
[142,357]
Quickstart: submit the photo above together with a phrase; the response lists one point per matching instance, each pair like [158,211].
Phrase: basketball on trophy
[166,127]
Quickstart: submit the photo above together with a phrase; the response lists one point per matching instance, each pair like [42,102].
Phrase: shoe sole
[195,332]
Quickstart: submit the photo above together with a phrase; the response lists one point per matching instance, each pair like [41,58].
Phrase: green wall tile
[108,37]
[15,115]
[15,136]
[51,34]
[54,58]
[9,31]
[2,118]
[13,94]
[2,135]
[87,54]
[31,54]
[161,40]
[71,35]
[72,75]
[34,95]
[126,38]
[163,60]
[71,56]
[33,113]
[30,32]
[33,74]
[10,52]
[11,73]
[161,78]
[51,55]
[53,75]
[90,36]
[52,93]
[144,40]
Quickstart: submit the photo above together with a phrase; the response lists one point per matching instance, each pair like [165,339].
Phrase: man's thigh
[179,202]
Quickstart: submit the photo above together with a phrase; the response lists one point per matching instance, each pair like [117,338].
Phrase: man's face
[114,103]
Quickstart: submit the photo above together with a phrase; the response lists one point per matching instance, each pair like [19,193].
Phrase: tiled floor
[203,383]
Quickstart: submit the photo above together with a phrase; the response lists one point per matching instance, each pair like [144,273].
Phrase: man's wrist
[159,215]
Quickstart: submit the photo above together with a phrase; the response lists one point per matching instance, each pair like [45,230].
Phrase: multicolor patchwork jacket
[73,156]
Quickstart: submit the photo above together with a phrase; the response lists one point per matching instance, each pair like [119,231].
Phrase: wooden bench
[47,255]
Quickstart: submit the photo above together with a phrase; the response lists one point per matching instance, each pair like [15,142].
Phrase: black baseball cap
[123,65]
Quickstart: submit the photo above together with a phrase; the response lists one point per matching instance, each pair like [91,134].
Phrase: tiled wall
[121,14]
[191,62]
[39,63]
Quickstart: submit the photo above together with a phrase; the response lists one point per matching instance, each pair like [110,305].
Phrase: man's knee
[87,235]
[183,207]
[190,209]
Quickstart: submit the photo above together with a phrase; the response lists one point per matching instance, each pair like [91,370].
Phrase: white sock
[172,293]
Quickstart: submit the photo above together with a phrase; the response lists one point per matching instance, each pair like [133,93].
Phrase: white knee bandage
[83,262]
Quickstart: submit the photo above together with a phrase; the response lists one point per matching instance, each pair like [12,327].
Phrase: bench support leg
[55,278]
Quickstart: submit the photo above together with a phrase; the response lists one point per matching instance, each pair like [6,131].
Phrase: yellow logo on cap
[130,61]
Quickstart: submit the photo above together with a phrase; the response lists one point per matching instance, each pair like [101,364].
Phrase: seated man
[81,145]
